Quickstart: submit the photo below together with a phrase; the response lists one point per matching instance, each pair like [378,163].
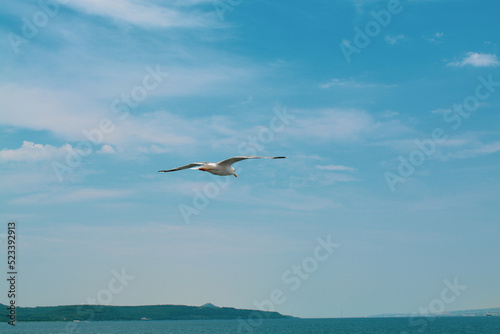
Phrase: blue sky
[387,113]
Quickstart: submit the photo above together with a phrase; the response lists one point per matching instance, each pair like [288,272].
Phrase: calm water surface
[464,325]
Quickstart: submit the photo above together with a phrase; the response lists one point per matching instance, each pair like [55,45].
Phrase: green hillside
[152,312]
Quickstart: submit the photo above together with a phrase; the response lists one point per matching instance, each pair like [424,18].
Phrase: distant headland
[148,312]
[485,312]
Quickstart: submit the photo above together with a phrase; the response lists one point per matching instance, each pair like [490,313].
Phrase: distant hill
[209,305]
[151,312]
[465,313]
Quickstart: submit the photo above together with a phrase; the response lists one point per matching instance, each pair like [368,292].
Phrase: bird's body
[221,168]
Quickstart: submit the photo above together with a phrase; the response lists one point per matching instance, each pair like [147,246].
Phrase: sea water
[464,325]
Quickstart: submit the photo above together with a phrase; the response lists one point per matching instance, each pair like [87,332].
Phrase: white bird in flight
[218,168]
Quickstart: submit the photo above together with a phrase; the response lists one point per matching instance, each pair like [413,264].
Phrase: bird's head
[234,172]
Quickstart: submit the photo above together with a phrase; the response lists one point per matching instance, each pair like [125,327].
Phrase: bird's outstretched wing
[230,161]
[194,164]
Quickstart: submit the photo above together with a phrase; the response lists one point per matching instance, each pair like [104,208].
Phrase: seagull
[218,168]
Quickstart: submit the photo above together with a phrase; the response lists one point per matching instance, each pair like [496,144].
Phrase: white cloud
[60,195]
[389,114]
[107,149]
[441,111]
[161,132]
[474,150]
[70,117]
[36,108]
[333,174]
[30,151]
[211,78]
[477,60]
[351,83]
[392,40]
[436,38]
[360,5]
[335,168]
[289,199]
[344,125]
[488,148]
[147,14]
[335,124]
[465,146]
[332,178]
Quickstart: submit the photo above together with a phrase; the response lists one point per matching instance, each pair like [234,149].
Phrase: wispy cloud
[332,178]
[473,150]
[352,83]
[436,38]
[392,40]
[335,124]
[58,195]
[346,125]
[287,199]
[37,108]
[464,146]
[361,4]
[335,168]
[332,174]
[477,60]
[146,14]
[441,111]
[69,117]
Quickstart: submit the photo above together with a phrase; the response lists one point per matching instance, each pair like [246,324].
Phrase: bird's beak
[235,175]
